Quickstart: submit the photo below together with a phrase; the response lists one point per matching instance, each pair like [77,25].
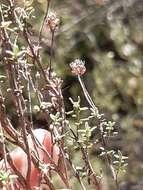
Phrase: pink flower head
[78,67]
[52,21]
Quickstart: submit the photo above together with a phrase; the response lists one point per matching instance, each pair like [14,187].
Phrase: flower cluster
[52,21]
[78,67]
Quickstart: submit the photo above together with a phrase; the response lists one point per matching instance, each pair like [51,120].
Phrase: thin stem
[43,22]
[3,146]
[77,175]
[87,162]
[89,99]
[51,54]
[29,96]
[92,104]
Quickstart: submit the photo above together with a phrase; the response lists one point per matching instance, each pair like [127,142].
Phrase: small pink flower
[78,67]
[52,21]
